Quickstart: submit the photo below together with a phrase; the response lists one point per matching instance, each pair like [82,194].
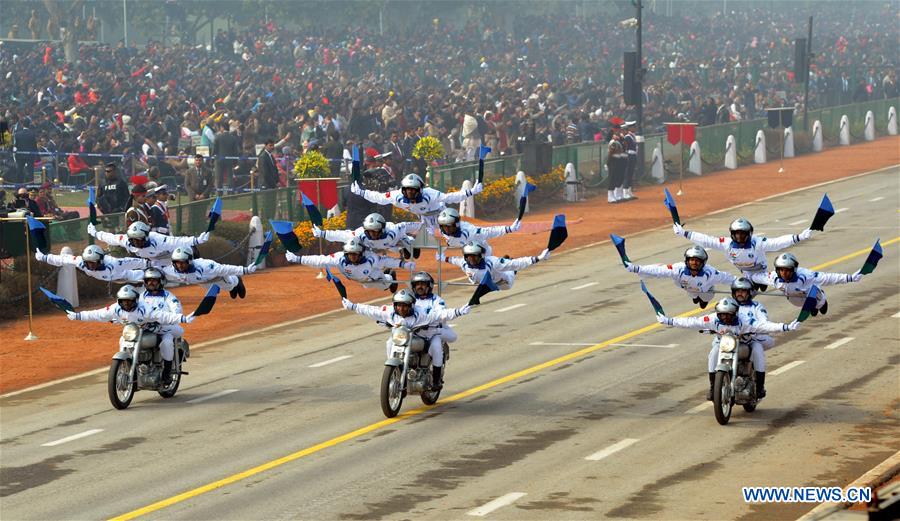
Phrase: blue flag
[482,152]
[619,243]
[486,286]
[215,213]
[669,201]
[809,304]
[337,283]
[354,167]
[264,249]
[38,233]
[209,300]
[356,153]
[285,232]
[873,258]
[657,307]
[92,206]
[314,215]
[57,301]
[559,232]
[524,199]
[823,213]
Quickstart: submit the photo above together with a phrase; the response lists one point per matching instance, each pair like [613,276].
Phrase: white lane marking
[896,315]
[500,502]
[508,308]
[839,343]
[666,346]
[699,408]
[563,343]
[333,360]
[589,284]
[213,396]
[73,437]
[839,210]
[795,223]
[786,367]
[612,449]
[872,200]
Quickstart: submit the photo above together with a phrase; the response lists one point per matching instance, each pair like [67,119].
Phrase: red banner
[673,133]
[680,133]
[687,134]
[323,192]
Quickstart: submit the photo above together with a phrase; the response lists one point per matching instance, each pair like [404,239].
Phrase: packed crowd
[552,79]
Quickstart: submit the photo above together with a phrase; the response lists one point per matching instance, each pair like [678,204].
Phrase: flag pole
[321,274]
[783,139]
[680,159]
[30,336]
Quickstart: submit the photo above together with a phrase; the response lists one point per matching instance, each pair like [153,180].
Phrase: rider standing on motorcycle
[375,233]
[129,309]
[745,252]
[475,264]
[692,275]
[187,270]
[458,233]
[140,241]
[795,282]
[93,263]
[727,320]
[157,298]
[357,264]
[404,312]
[426,301]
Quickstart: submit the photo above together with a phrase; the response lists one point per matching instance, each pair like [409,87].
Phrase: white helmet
[412,181]
[138,230]
[404,296]
[354,246]
[127,292]
[182,254]
[696,252]
[448,216]
[473,248]
[741,225]
[787,260]
[153,273]
[727,305]
[374,222]
[92,253]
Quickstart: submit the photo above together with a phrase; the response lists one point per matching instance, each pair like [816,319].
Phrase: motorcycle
[138,365]
[735,382]
[408,371]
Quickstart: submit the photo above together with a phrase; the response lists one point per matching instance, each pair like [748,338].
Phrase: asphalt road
[573,405]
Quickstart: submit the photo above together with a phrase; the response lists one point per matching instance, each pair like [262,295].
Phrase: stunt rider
[357,264]
[93,263]
[157,298]
[422,284]
[795,282]
[413,196]
[140,241]
[692,275]
[458,233]
[187,270]
[475,264]
[375,233]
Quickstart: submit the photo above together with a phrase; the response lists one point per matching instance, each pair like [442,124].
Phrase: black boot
[760,385]
[437,378]
[417,252]
[824,308]
[167,373]
[241,290]
[702,303]
[393,287]
[712,383]
[696,300]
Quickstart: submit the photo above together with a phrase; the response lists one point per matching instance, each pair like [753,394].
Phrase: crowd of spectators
[551,79]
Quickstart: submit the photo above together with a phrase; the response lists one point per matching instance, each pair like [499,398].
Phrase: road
[574,405]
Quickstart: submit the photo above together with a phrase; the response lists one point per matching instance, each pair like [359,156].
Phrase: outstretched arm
[382,313]
[704,322]
[106,314]
[113,239]
[667,271]
[337,235]
[785,241]
[372,196]
[707,241]
[822,278]
[55,260]
[315,261]
[446,314]
[460,195]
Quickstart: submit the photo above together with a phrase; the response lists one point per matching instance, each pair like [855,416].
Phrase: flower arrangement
[303,230]
[428,148]
[312,164]
[401,215]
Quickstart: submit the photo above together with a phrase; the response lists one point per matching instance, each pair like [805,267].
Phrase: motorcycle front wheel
[391,394]
[722,399]
[120,393]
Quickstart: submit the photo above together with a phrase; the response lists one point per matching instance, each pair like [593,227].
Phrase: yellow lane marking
[415,412]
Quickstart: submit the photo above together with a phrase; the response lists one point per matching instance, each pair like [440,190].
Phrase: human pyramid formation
[741,314]
[157,258]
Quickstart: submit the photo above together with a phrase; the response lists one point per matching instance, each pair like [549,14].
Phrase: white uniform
[206,273]
[700,286]
[795,290]
[428,205]
[426,305]
[157,248]
[502,270]
[467,232]
[386,315]
[141,315]
[393,237]
[112,269]
[751,258]
[369,272]
[163,300]
[745,330]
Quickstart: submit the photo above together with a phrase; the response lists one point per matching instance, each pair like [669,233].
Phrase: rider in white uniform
[94,263]
[795,282]
[140,241]
[475,264]
[458,233]
[358,265]
[692,275]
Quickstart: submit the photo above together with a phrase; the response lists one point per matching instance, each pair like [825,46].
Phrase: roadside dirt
[277,295]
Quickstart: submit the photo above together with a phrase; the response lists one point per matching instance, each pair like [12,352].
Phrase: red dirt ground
[282,294]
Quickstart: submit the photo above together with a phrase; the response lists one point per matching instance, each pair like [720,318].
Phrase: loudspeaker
[537,158]
[801,65]
[631,83]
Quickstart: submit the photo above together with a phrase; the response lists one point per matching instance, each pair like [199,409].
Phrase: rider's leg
[712,362]
[758,357]
[448,334]
[436,350]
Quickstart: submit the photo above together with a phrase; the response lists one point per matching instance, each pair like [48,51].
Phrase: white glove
[92,230]
[544,255]
[632,267]
[410,265]
[856,277]
[477,189]
[356,189]
[291,257]
[678,229]
[347,304]
[806,234]
[465,310]
[516,225]
[187,319]
[71,315]
[203,237]
[39,255]
[317,232]
[664,320]
[251,268]
[793,326]
[440,257]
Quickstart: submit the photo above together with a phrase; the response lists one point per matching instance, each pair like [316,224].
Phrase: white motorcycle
[408,371]
[138,365]
[735,382]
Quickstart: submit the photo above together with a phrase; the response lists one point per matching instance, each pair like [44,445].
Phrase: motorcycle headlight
[130,333]
[727,343]
[400,336]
